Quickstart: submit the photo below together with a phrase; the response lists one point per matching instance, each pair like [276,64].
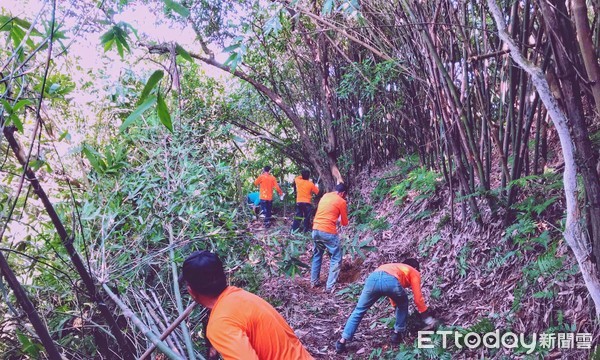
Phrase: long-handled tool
[170,329]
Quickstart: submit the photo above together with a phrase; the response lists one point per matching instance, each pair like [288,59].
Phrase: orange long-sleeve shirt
[331,207]
[266,183]
[242,326]
[304,190]
[408,277]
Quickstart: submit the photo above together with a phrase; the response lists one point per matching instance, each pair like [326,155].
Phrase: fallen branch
[170,329]
[158,343]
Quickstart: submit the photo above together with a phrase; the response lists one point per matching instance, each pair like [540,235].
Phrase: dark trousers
[303,214]
[266,207]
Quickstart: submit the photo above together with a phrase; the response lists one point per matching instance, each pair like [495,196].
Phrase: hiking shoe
[316,284]
[397,337]
[340,347]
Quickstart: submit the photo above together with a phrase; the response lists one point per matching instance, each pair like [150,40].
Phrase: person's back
[331,207]
[304,190]
[244,326]
[408,277]
[267,183]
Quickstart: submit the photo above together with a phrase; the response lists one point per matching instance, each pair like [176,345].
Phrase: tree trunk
[588,52]
[574,233]
[29,309]
[563,40]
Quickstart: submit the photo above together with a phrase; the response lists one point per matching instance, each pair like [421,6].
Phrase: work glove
[427,317]
[281,197]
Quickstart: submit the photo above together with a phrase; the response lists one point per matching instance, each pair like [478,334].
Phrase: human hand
[281,197]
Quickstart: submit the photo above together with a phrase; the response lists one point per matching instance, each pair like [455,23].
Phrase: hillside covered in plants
[467,135]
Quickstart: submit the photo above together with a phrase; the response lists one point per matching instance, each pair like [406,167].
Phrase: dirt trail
[459,265]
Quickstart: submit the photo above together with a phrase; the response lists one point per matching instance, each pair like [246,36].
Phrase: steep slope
[520,278]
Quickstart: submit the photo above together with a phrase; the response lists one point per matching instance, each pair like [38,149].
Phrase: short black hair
[340,188]
[305,174]
[267,168]
[203,272]
[414,263]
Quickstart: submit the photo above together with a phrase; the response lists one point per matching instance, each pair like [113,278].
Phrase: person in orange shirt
[241,325]
[325,237]
[266,183]
[389,280]
[304,189]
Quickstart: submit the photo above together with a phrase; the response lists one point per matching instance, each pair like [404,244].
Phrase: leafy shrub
[421,180]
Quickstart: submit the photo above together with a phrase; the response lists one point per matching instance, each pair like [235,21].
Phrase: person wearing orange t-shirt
[389,280]
[267,183]
[304,190]
[241,325]
[325,237]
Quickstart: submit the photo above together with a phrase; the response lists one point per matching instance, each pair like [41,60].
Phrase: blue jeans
[378,284]
[266,207]
[330,242]
[303,214]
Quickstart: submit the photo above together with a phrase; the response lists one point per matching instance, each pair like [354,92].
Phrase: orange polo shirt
[304,190]
[267,183]
[408,277]
[331,207]
[242,326]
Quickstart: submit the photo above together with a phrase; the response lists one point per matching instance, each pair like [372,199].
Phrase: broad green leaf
[232,61]
[183,53]
[17,122]
[232,47]
[137,112]
[151,84]
[107,36]
[20,104]
[163,113]
[273,24]
[5,23]
[108,44]
[17,34]
[7,106]
[92,157]
[119,47]
[178,8]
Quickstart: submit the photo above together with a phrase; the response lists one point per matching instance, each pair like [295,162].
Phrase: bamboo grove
[342,87]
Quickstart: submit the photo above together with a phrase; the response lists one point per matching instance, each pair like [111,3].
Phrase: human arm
[415,284]
[277,187]
[344,214]
[257,181]
[315,189]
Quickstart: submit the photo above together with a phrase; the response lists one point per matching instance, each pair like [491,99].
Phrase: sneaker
[340,347]
[397,337]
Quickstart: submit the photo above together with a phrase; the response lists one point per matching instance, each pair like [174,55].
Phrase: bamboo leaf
[137,113]
[151,84]
[163,113]
[183,53]
[178,8]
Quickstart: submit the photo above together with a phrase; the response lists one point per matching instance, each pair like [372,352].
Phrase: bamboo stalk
[156,341]
[170,329]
